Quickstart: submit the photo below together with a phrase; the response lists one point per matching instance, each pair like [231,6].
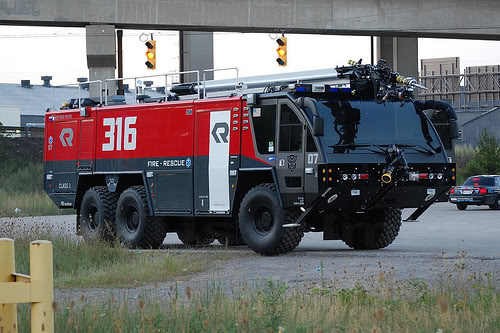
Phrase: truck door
[86,151]
[290,154]
[65,153]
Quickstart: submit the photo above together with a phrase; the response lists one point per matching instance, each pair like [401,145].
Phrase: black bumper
[346,193]
[474,199]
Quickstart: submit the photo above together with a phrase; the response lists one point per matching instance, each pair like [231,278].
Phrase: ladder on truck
[202,88]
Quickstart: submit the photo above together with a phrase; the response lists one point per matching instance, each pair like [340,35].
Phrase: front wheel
[261,220]
[133,225]
[461,206]
[374,231]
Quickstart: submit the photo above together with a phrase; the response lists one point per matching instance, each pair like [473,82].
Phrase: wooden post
[8,312]
[42,313]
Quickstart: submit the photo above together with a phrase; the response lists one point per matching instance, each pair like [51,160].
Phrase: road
[443,228]
[445,245]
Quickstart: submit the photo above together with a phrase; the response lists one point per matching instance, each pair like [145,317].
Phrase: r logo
[222,134]
[66,137]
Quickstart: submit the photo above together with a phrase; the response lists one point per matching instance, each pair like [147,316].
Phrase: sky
[29,53]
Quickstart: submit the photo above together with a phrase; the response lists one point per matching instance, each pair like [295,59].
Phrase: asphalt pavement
[444,245]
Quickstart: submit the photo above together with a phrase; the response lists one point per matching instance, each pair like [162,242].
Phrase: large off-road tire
[374,231]
[193,237]
[134,227]
[496,205]
[97,214]
[461,206]
[261,220]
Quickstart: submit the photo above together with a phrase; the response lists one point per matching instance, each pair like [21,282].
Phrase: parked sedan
[477,190]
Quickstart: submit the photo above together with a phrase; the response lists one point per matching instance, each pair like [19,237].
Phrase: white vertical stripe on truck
[218,160]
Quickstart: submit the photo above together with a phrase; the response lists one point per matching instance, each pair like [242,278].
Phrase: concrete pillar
[401,54]
[101,58]
[197,53]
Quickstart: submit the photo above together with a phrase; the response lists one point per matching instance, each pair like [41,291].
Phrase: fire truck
[255,166]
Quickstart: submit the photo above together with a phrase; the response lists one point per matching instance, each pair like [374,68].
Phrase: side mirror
[453,129]
[318,126]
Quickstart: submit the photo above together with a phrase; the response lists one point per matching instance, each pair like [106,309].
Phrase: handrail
[148,76]
[79,84]
[216,70]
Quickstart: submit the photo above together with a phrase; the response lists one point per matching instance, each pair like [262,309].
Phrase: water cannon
[378,81]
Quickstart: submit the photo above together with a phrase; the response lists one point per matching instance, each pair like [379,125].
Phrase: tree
[486,157]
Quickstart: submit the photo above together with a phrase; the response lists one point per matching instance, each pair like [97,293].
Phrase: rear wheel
[97,214]
[461,206]
[375,231]
[496,205]
[133,225]
[261,220]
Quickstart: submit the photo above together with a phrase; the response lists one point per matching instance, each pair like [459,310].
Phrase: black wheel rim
[132,219]
[263,220]
[93,221]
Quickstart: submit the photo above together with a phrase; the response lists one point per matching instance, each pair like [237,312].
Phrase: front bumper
[474,199]
[355,194]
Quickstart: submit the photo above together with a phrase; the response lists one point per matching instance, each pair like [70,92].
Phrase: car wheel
[496,205]
[461,206]
[134,227]
[261,220]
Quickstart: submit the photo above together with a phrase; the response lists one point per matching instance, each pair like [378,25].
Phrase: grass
[82,265]
[22,189]
[35,203]
[276,309]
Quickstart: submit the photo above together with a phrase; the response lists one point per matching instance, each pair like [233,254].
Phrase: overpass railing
[36,289]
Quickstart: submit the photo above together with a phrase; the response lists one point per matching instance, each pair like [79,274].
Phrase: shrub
[486,157]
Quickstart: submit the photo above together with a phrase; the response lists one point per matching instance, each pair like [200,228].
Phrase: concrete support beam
[197,53]
[101,57]
[401,54]
[423,18]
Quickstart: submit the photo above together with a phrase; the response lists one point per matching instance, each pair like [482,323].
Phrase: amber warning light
[151,54]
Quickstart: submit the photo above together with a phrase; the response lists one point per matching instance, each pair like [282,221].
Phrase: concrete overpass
[406,19]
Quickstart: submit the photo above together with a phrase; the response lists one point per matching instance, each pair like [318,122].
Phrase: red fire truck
[257,169]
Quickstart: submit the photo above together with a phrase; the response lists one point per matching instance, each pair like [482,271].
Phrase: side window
[264,125]
[290,130]
[310,145]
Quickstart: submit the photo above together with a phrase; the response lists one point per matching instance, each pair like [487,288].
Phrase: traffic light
[151,54]
[281,51]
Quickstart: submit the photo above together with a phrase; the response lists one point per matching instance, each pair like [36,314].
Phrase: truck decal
[218,161]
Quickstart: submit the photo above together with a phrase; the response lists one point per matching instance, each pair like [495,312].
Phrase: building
[475,94]
[24,105]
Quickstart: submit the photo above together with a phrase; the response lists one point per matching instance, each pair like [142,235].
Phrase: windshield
[351,123]
[477,181]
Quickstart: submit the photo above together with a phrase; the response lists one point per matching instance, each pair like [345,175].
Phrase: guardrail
[36,289]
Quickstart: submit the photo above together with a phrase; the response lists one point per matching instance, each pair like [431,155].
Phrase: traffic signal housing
[281,60]
[151,54]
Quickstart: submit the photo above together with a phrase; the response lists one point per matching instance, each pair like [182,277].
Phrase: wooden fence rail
[37,289]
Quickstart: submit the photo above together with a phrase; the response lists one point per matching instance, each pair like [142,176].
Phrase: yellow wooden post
[8,312]
[42,313]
